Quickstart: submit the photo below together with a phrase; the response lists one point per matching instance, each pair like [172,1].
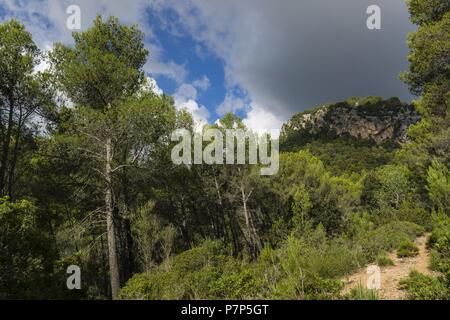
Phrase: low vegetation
[383,260]
[407,249]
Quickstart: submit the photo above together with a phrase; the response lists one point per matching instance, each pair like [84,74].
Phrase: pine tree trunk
[6,145]
[251,230]
[110,222]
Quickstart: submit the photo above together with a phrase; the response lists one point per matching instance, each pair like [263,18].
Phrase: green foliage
[414,212]
[147,286]
[439,243]
[204,272]
[301,205]
[423,287]
[24,95]
[331,199]
[438,185]
[429,76]
[18,52]
[328,259]
[429,48]
[387,237]
[388,186]
[383,260]
[427,11]
[345,155]
[303,268]
[407,249]
[104,66]
[24,252]
[154,240]
[362,293]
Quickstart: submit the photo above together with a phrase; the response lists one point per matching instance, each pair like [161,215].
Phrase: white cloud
[231,103]
[200,113]
[261,120]
[187,92]
[203,84]
[185,98]
[170,69]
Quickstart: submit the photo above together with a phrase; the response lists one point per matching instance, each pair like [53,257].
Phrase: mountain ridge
[363,118]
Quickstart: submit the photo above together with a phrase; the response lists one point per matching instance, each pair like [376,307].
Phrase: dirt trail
[391,275]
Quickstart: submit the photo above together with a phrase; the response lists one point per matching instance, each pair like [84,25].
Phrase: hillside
[372,119]
[357,134]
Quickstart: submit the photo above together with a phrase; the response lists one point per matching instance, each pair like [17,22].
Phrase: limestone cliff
[369,118]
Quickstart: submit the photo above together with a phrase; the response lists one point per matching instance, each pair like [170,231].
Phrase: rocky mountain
[370,118]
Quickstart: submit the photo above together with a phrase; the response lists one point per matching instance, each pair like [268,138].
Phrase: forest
[87,180]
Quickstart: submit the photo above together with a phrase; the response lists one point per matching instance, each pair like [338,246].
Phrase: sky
[264,60]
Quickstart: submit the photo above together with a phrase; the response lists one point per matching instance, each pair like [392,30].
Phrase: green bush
[344,155]
[302,268]
[25,271]
[423,287]
[245,284]
[387,237]
[329,258]
[407,249]
[362,293]
[150,286]
[186,276]
[411,212]
[383,260]
[439,243]
[309,267]
[308,286]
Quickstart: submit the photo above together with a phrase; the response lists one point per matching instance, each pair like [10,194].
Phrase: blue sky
[199,64]
[264,60]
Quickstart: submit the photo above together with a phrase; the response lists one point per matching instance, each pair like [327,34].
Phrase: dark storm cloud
[292,55]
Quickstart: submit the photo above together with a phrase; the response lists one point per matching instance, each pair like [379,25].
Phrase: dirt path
[391,275]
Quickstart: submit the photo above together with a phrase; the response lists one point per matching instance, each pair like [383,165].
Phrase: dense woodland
[86,179]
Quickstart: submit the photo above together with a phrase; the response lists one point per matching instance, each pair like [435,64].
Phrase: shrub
[25,270]
[387,237]
[309,266]
[410,211]
[407,249]
[383,260]
[187,276]
[362,293]
[150,286]
[308,286]
[245,284]
[439,243]
[423,287]
[329,258]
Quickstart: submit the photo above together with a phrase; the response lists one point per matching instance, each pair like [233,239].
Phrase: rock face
[370,118]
